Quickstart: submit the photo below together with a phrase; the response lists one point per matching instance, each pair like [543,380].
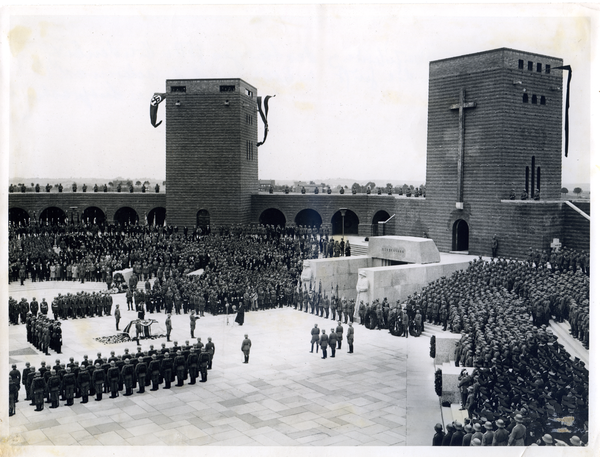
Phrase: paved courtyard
[382,395]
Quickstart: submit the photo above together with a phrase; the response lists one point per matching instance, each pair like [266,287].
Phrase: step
[457,414]
[573,346]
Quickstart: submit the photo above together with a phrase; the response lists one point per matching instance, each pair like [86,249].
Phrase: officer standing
[332,342]
[210,349]
[339,330]
[314,332]
[140,373]
[168,326]
[204,360]
[117,315]
[246,344]
[350,338]
[98,379]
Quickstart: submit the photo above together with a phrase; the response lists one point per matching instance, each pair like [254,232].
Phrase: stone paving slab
[285,396]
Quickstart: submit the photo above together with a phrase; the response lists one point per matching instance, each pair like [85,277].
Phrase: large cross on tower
[461,106]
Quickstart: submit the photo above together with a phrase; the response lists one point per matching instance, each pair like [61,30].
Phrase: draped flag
[263,115]
[566,67]
[154,102]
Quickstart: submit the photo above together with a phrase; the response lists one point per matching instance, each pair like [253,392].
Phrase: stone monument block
[407,249]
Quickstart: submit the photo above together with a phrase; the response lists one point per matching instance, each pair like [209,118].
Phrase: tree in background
[577,191]
[564,190]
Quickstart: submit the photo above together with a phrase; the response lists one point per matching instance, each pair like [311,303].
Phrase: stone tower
[494,125]
[212,159]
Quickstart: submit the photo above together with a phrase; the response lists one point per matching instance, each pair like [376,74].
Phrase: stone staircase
[572,346]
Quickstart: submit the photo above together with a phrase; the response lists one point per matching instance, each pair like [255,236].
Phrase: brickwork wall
[502,134]
[208,166]
[364,206]
[576,228]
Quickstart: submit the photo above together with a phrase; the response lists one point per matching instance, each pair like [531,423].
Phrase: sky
[351,82]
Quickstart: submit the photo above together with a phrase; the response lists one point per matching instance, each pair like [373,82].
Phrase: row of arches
[54,215]
[346,223]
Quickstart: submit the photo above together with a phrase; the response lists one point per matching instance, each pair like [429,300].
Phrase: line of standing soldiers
[82,304]
[21,309]
[113,374]
[43,333]
[321,305]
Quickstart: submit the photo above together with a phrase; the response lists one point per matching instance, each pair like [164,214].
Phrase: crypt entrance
[460,236]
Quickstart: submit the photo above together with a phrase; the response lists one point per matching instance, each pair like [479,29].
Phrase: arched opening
[53,216]
[308,218]
[126,216]
[156,216]
[272,216]
[18,216]
[203,219]
[380,216]
[350,221]
[460,236]
[94,215]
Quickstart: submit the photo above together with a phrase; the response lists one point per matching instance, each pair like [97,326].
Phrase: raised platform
[399,281]
[407,249]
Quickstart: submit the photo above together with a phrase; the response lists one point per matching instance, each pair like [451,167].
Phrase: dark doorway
[380,216]
[126,216]
[53,216]
[156,216]
[18,216]
[94,215]
[350,223]
[203,219]
[460,236]
[272,216]
[308,218]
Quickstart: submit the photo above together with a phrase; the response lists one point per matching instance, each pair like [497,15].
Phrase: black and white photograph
[336,228]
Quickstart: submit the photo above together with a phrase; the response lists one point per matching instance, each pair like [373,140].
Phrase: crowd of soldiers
[44,333]
[111,375]
[515,431]
[69,306]
[90,252]
[257,266]
[563,259]
[501,311]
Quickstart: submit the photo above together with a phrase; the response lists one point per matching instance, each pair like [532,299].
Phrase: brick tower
[494,125]
[212,160]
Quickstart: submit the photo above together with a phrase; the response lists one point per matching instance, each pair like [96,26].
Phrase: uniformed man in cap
[210,349]
[332,342]
[69,383]
[154,369]
[518,433]
[38,387]
[339,330]
[141,369]
[501,434]
[203,361]
[246,345]
[438,437]
[15,375]
[168,326]
[180,368]
[350,338]
[167,370]
[314,338]
[192,364]
[113,379]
